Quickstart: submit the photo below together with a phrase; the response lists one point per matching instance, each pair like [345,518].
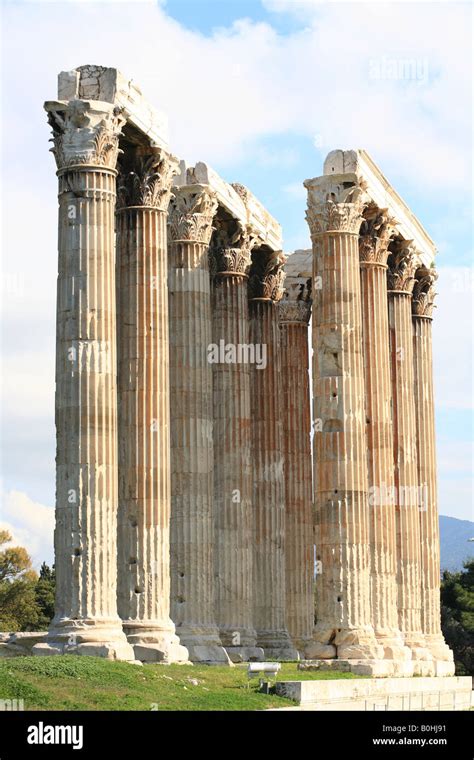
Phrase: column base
[423,664]
[438,648]
[419,650]
[101,637]
[237,637]
[155,642]
[203,645]
[357,644]
[393,645]
[277,645]
[345,644]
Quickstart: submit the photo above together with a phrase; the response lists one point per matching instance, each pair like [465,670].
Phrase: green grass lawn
[91,683]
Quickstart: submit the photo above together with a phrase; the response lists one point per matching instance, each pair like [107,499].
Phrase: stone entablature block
[111,86]
[383,195]
[237,201]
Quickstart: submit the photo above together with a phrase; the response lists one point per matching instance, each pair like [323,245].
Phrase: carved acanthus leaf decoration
[231,246]
[334,205]
[294,311]
[424,292]
[267,275]
[191,214]
[376,231]
[295,305]
[85,133]
[145,177]
[402,264]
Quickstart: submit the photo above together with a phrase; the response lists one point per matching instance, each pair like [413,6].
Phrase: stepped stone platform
[18,644]
[450,693]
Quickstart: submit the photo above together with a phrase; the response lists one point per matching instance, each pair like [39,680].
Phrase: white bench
[260,669]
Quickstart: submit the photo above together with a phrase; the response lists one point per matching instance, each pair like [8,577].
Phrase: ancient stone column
[233,512]
[402,263]
[294,314]
[143,383]
[192,456]
[375,234]
[344,628]
[86,137]
[422,311]
[268,499]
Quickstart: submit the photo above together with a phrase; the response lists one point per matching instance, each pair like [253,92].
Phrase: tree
[45,590]
[18,606]
[457,616]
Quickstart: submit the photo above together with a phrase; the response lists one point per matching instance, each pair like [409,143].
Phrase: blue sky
[261,90]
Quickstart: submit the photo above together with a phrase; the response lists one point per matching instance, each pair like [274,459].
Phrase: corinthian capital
[423,292]
[294,311]
[402,264]
[376,231]
[191,213]
[267,275]
[231,246]
[85,132]
[335,203]
[295,305]
[145,176]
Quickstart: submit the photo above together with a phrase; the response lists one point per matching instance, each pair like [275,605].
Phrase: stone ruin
[189,517]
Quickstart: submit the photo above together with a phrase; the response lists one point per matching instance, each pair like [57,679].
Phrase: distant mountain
[455,544]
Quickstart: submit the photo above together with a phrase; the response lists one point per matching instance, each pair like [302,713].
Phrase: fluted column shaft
[379,449]
[430,576]
[86,397]
[192,454]
[378,401]
[340,455]
[426,461]
[296,412]
[268,482]
[400,286]
[85,541]
[144,413]
[234,531]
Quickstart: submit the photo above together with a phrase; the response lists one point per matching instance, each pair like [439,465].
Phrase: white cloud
[224,91]
[30,523]
[224,95]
